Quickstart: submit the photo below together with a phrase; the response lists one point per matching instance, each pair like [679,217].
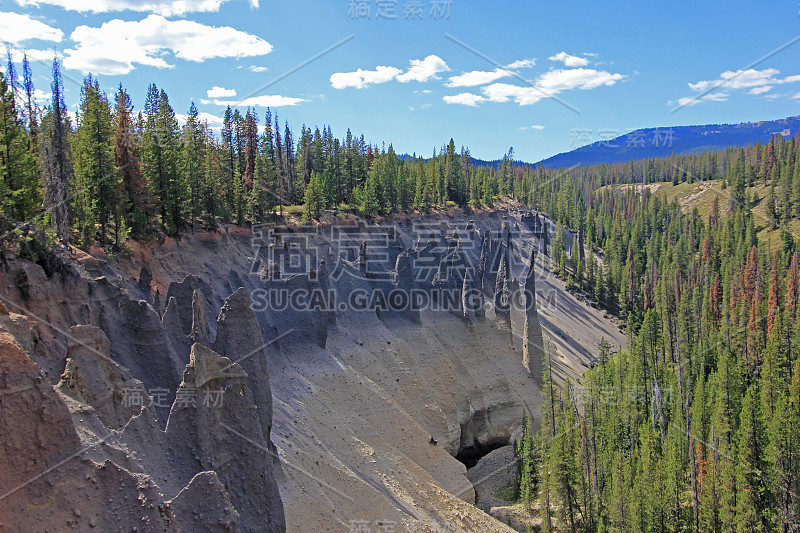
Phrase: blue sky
[542,77]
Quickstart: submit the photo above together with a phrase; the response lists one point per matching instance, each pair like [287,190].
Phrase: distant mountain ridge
[664,141]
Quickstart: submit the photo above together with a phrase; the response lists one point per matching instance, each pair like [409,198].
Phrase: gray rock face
[229,437]
[502,294]
[405,281]
[532,338]
[295,321]
[483,260]
[145,279]
[92,377]
[199,331]
[46,483]
[363,260]
[157,302]
[138,340]
[171,323]
[495,256]
[203,506]
[184,293]
[323,282]
[472,297]
[239,338]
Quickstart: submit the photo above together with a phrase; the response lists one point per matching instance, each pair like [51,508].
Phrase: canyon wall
[279,380]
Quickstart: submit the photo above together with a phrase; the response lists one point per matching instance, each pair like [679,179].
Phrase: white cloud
[423,70]
[363,78]
[796,96]
[477,77]
[503,92]
[117,45]
[694,100]
[533,127]
[756,82]
[716,97]
[42,97]
[254,68]
[16,27]
[213,120]
[522,63]
[570,60]
[161,7]
[740,79]
[265,100]
[468,99]
[550,84]
[43,56]
[579,78]
[220,92]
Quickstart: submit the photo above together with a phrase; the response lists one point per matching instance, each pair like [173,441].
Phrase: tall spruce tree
[98,179]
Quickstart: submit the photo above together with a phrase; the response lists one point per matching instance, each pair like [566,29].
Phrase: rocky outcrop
[46,483]
[199,331]
[405,281]
[229,437]
[239,338]
[532,338]
[145,279]
[183,292]
[92,377]
[204,506]
[471,298]
[138,340]
[178,341]
[502,294]
[494,257]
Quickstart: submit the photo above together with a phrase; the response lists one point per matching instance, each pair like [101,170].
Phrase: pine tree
[161,152]
[774,305]
[528,467]
[138,203]
[753,500]
[19,183]
[565,470]
[98,178]
[56,157]
[261,196]
[370,200]
[314,199]
[228,162]
[31,114]
[191,157]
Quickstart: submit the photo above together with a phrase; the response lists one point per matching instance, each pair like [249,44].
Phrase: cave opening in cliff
[476,450]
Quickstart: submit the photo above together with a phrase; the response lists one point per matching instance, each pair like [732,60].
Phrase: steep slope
[368,406]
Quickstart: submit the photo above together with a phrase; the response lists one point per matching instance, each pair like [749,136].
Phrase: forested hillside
[695,426]
[118,173]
